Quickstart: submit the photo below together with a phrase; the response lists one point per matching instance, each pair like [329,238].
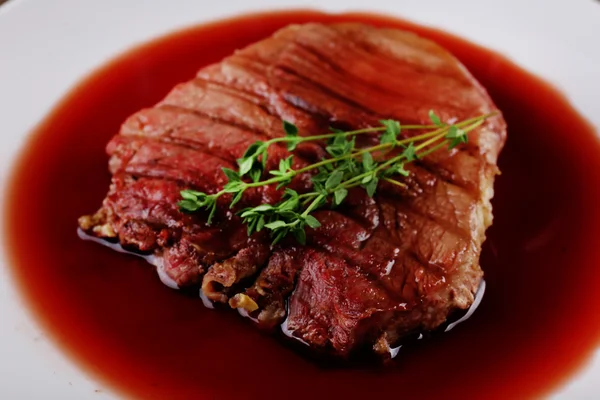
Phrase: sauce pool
[537,324]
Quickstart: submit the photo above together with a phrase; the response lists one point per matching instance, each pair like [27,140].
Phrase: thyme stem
[346,168]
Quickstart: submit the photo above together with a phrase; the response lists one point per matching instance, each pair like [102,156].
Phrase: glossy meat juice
[537,322]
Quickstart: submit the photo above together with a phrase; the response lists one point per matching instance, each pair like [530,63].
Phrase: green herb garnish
[346,167]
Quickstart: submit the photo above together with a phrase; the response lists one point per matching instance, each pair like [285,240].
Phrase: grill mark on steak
[132,129]
[289,111]
[409,210]
[373,261]
[160,160]
[312,57]
[233,91]
[188,127]
[439,172]
[368,61]
[207,136]
[337,108]
[379,102]
[406,222]
[224,106]
[245,75]
[459,78]
[434,162]
[234,110]
[124,148]
[259,135]
[263,98]
[357,46]
[280,76]
[376,269]
[444,194]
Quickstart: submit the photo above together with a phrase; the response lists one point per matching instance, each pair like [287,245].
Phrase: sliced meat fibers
[377,269]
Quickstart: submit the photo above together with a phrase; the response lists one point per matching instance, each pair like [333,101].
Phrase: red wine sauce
[538,322]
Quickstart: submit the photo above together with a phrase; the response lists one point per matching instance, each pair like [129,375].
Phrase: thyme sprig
[346,167]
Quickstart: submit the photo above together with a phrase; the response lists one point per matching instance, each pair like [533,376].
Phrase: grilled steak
[378,268]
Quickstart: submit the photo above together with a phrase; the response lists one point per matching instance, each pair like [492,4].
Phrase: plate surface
[47,47]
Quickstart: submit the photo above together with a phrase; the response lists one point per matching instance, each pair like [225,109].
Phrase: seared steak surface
[378,268]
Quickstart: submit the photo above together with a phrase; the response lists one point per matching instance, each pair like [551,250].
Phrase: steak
[377,269]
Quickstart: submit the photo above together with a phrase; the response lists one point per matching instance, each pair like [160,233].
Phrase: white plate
[46,47]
